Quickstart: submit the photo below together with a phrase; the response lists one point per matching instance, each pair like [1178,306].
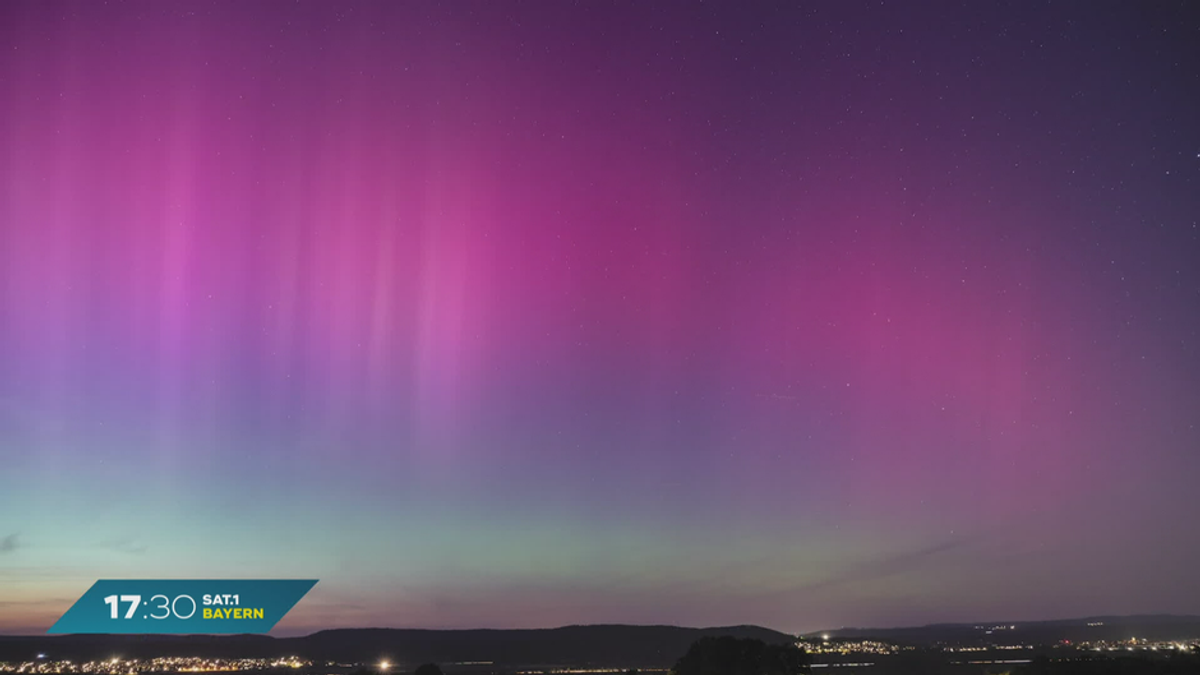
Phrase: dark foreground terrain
[1099,645]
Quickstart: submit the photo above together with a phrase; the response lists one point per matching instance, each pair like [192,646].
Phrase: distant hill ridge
[615,645]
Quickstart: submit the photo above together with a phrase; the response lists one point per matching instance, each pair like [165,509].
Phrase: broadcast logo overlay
[182,606]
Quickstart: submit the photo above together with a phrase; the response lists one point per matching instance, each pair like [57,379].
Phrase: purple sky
[527,314]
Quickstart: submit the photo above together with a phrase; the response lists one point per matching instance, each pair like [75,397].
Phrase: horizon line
[5,634]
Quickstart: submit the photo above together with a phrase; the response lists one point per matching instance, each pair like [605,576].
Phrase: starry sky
[524,314]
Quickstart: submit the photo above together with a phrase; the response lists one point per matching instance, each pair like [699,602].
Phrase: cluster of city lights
[119,666]
[1136,644]
[827,646]
[988,648]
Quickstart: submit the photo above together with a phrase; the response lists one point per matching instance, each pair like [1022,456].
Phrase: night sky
[500,314]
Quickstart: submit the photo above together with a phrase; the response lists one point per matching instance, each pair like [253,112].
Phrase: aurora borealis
[500,314]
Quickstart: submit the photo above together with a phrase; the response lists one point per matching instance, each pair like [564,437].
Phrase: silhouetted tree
[428,669]
[741,656]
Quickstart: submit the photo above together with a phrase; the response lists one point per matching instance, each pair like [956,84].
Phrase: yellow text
[232,613]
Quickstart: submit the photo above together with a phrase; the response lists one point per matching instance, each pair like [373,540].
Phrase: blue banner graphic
[182,606]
